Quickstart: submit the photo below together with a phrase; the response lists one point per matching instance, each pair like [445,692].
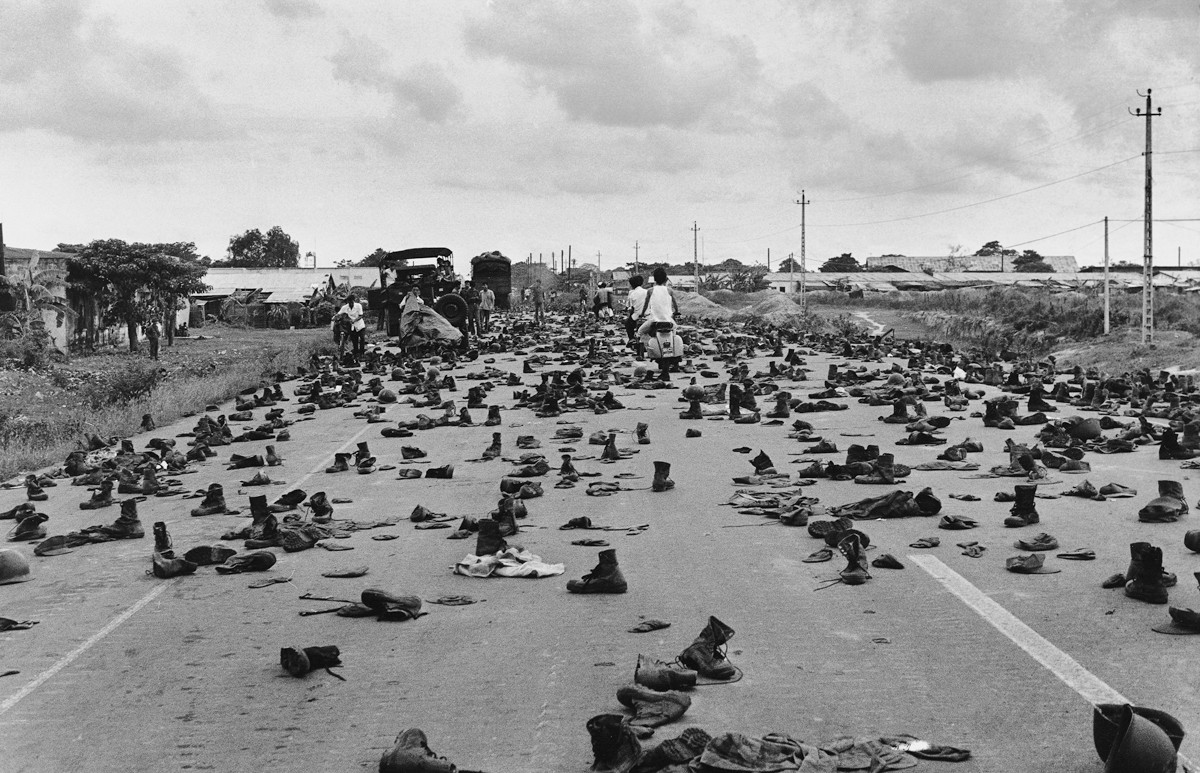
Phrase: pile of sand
[696,305]
[775,308]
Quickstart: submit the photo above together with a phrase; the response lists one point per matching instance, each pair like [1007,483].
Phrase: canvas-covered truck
[429,270]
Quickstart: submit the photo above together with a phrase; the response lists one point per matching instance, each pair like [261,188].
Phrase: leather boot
[213,503]
[31,527]
[855,454]
[411,754]
[508,524]
[272,458]
[1024,510]
[610,448]
[704,655]
[101,497]
[239,462]
[299,661]
[322,510]
[494,450]
[658,675]
[1169,506]
[662,480]
[162,540]
[1171,449]
[693,411]
[614,746]
[884,472]
[287,501]
[264,527]
[127,525]
[605,578]
[899,415]
[642,431]
[446,471]
[851,547]
[165,565]
[493,417]
[1144,578]
[33,491]
[489,541]
[340,463]
[735,401]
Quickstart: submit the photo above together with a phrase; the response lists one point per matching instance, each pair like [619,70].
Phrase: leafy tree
[749,280]
[31,290]
[842,263]
[371,261]
[730,264]
[994,248]
[137,283]
[789,264]
[1031,262]
[254,249]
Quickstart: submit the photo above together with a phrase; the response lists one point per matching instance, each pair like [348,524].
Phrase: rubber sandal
[1081,554]
[820,556]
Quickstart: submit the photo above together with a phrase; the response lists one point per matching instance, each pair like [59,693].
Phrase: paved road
[127,672]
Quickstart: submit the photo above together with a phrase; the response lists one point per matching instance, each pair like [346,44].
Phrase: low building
[1062,264]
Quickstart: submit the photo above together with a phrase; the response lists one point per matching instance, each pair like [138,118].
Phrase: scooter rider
[659,310]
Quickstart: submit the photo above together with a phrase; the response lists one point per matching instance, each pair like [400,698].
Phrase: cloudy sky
[530,125]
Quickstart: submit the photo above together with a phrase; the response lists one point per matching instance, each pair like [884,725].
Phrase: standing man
[487,304]
[471,296]
[354,316]
[539,302]
[604,308]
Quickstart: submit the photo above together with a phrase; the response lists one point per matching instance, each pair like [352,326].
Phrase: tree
[842,263]
[789,264]
[749,280]
[135,284]
[253,249]
[1031,262]
[32,292]
[730,264]
[370,261]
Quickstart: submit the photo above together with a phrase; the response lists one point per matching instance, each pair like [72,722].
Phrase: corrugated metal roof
[289,283]
[1060,263]
[918,280]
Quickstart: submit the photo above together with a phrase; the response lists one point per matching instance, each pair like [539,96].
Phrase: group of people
[481,303]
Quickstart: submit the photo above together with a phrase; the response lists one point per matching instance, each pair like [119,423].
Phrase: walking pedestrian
[354,316]
[487,304]
[539,302]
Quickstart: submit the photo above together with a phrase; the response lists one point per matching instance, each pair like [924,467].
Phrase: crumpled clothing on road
[894,504]
[513,562]
[870,754]
[773,753]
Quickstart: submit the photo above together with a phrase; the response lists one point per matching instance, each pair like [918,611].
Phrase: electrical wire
[1060,233]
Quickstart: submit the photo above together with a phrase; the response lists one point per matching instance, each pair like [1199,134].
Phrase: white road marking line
[1069,671]
[66,660]
[111,626]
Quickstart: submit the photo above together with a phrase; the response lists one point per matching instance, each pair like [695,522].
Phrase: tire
[453,308]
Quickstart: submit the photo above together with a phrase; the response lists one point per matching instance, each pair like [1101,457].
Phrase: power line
[1060,233]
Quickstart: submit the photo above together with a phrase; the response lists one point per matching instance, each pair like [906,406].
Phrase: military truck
[429,270]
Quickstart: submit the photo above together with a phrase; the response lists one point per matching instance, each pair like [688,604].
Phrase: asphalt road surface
[126,672]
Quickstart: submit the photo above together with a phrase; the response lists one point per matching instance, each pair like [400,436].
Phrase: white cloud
[424,87]
[293,10]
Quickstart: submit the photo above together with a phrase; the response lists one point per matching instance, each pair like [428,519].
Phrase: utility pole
[791,272]
[636,266]
[1148,238]
[803,202]
[696,254]
[1106,307]
[768,260]
[597,265]
[569,261]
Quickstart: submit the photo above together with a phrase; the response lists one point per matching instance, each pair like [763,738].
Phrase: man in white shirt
[660,307]
[353,312]
[633,307]
[487,304]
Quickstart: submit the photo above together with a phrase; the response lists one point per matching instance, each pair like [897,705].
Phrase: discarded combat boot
[705,655]
[610,448]
[127,525]
[606,577]
[214,501]
[1171,449]
[693,411]
[1024,510]
[658,675]
[33,491]
[856,572]
[165,565]
[642,430]
[614,744]
[340,463]
[507,521]
[653,708]
[162,540]
[489,541]
[239,462]
[392,607]
[446,471]
[258,561]
[288,501]
[493,417]
[494,450]
[322,510]
[662,480]
[883,472]
[101,497]
[272,458]
[30,528]
[209,555]
[411,754]
[1169,506]
[1144,578]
